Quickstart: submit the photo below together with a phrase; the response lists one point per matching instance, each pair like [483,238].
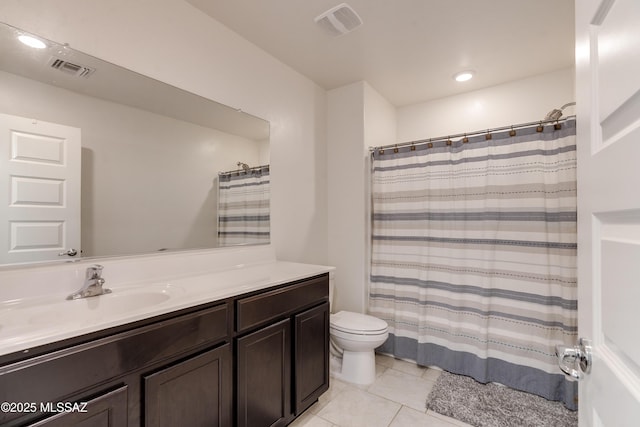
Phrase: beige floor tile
[356,408]
[403,388]
[431,374]
[408,417]
[408,367]
[451,421]
[384,360]
[309,420]
[335,387]
[380,369]
[397,383]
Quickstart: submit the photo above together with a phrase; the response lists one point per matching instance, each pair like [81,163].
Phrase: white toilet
[354,337]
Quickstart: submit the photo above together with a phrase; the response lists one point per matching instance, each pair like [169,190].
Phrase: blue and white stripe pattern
[474,256]
[243,207]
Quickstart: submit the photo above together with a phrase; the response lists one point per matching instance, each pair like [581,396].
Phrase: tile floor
[396,399]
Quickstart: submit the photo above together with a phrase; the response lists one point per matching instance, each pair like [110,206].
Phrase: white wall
[345,133]
[357,117]
[173,42]
[521,101]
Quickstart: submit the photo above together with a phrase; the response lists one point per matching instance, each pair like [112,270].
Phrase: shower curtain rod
[467,134]
[242,170]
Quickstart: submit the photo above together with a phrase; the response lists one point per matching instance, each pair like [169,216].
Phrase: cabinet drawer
[63,374]
[269,306]
[106,410]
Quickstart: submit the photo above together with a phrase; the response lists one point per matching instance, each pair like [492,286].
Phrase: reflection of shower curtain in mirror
[243,207]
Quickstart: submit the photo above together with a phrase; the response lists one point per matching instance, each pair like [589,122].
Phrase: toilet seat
[357,323]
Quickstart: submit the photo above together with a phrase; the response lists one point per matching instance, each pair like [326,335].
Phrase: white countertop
[34,321]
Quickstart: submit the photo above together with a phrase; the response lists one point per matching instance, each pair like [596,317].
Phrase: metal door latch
[575,361]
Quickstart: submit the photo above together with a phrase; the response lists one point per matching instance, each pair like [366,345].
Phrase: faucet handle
[94,271]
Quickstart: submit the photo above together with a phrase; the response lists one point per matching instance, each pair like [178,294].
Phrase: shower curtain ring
[465,139]
[449,140]
[395,149]
[540,128]
[488,136]
[512,132]
[430,144]
[557,126]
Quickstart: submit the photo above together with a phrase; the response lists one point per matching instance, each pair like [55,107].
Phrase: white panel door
[608,109]
[39,189]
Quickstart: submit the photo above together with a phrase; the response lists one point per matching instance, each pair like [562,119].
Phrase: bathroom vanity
[245,346]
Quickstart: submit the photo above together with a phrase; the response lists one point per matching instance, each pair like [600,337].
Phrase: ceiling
[408,50]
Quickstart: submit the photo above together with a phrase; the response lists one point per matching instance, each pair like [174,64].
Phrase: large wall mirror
[101,161]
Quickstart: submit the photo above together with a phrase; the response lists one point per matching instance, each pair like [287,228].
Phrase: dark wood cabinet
[195,392]
[282,367]
[311,356]
[257,360]
[263,388]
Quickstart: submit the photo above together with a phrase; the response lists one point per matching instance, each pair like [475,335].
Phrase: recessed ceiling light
[32,42]
[463,76]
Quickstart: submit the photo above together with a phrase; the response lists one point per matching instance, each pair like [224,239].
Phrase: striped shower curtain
[243,207]
[474,255]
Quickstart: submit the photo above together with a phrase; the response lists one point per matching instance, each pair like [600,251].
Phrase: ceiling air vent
[71,68]
[339,20]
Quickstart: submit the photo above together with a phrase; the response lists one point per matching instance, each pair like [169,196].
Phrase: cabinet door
[311,355]
[196,392]
[264,376]
[106,410]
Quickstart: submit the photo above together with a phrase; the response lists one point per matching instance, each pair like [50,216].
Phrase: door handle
[575,361]
[70,252]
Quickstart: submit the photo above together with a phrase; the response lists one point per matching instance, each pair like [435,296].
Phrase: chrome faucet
[92,284]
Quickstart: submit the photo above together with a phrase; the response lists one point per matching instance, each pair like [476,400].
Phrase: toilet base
[357,367]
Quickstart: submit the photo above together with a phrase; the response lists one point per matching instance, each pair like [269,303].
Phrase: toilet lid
[357,323]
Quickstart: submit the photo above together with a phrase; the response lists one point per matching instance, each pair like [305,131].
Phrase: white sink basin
[115,303]
[99,307]
[45,314]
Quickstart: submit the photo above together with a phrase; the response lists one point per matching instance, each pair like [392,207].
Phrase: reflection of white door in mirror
[39,189]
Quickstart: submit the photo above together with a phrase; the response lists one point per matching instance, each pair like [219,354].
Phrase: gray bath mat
[493,405]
